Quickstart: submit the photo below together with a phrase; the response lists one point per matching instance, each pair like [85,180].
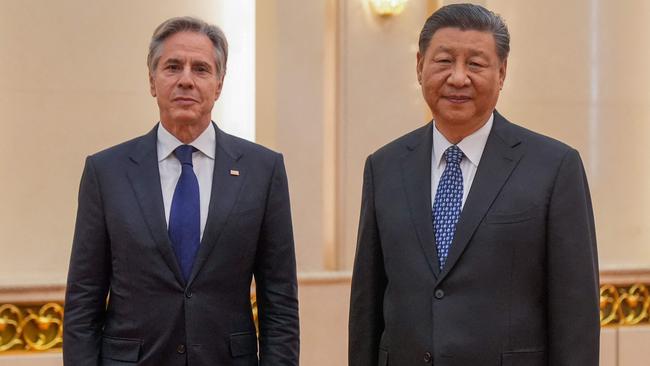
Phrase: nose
[458,77]
[185,79]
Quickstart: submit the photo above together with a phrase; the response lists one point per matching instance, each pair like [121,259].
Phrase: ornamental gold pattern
[624,305]
[31,327]
[11,319]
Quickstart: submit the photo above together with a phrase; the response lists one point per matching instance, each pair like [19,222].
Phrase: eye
[173,67]
[202,69]
[476,64]
[443,61]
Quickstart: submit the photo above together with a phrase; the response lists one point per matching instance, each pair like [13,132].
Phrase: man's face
[185,82]
[461,76]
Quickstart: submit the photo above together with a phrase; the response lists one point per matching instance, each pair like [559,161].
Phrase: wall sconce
[387,8]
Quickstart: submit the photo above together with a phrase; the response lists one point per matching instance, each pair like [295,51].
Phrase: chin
[186,118]
[456,116]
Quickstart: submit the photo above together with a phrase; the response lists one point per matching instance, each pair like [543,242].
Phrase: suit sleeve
[88,277]
[368,282]
[275,277]
[572,269]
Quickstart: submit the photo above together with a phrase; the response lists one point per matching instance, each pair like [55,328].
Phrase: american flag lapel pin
[234,172]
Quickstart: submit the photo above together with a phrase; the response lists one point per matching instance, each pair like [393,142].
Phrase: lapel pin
[234,172]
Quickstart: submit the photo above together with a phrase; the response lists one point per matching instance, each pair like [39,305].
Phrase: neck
[455,132]
[185,133]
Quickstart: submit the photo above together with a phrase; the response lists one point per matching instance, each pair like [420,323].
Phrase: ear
[502,72]
[217,91]
[418,66]
[152,85]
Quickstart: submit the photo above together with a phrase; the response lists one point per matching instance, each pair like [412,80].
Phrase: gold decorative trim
[624,305]
[36,327]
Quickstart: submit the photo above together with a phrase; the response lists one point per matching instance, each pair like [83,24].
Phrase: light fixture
[386,8]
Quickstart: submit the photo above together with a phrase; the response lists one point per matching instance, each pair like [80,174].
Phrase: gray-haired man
[476,240]
[172,226]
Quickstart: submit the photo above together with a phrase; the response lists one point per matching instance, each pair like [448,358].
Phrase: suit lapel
[416,176]
[499,158]
[145,180]
[225,190]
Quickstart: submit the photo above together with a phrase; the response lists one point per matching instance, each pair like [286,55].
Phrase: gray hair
[188,24]
[467,17]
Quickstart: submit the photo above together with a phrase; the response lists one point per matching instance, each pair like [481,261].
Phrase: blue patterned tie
[448,202]
[185,213]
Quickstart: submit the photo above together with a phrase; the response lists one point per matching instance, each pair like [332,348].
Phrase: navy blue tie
[185,213]
[448,202]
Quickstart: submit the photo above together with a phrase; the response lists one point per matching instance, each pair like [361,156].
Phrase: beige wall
[73,83]
[293,114]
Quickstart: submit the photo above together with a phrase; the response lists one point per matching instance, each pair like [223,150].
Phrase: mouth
[184,100]
[457,99]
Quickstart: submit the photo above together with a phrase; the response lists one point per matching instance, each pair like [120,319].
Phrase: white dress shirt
[170,168]
[472,147]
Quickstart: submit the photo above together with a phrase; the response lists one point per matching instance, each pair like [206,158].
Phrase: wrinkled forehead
[188,43]
[454,40]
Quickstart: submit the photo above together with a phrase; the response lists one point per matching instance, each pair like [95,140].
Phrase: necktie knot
[453,155]
[184,154]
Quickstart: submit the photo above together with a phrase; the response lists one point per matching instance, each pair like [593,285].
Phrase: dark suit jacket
[153,318]
[520,285]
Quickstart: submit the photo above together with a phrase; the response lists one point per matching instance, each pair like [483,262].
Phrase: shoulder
[245,146]
[246,151]
[120,149]
[534,143]
[136,146]
[416,139]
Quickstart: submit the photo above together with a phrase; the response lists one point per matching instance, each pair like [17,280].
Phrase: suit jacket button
[180,348]
[439,294]
[427,357]
[188,293]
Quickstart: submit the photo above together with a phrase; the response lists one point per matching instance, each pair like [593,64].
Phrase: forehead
[188,44]
[456,40]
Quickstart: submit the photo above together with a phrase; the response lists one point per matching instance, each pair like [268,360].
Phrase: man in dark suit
[476,241]
[172,226]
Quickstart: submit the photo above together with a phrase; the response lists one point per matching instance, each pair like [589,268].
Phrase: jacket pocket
[383,357]
[121,349]
[499,217]
[242,344]
[524,358]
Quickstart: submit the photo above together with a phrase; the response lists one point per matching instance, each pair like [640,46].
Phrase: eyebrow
[473,52]
[203,63]
[172,61]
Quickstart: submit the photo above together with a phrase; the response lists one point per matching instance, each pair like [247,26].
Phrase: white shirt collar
[206,142]
[472,146]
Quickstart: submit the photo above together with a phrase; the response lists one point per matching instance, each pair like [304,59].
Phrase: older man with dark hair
[476,242]
[172,226]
